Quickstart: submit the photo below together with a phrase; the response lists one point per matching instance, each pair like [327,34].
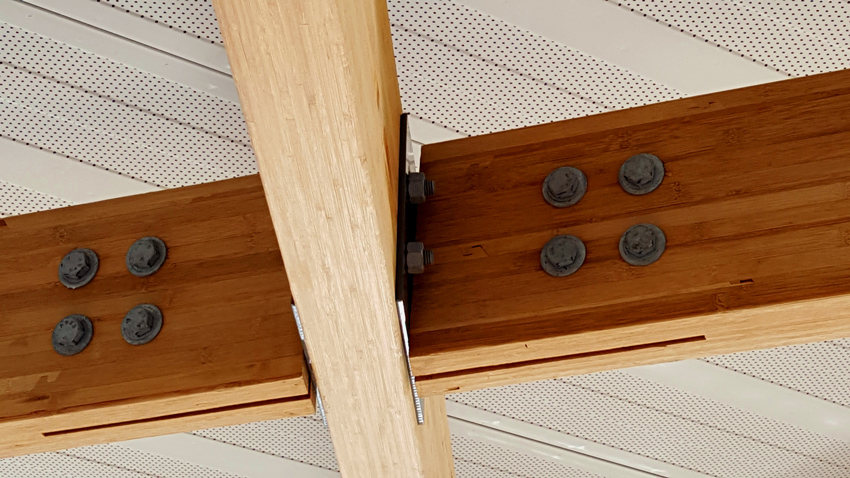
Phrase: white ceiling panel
[799,38]
[821,370]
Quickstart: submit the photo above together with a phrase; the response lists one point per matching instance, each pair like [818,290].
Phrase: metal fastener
[641,174]
[78,268]
[564,186]
[72,334]
[417,258]
[141,324]
[146,256]
[418,188]
[642,244]
[562,255]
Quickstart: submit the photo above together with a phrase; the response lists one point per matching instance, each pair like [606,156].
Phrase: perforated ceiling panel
[821,370]
[192,17]
[474,459]
[303,439]
[670,426]
[17,200]
[799,38]
[102,461]
[476,74]
[89,108]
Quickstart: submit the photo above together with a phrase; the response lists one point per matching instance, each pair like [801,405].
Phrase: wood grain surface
[228,337]
[754,205]
[319,90]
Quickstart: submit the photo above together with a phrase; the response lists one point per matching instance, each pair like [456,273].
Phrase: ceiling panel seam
[709,425]
[755,395]
[497,64]
[685,32]
[118,48]
[104,17]
[631,41]
[591,449]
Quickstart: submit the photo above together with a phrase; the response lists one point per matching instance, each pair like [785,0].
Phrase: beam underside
[319,90]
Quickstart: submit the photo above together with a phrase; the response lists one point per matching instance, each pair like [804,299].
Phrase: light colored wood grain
[435,439]
[228,337]
[33,439]
[755,206]
[319,90]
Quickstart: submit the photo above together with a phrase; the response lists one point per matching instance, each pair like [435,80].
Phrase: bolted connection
[417,257]
[141,324]
[72,334]
[145,256]
[642,244]
[641,174]
[562,255]
[564,186]
[419,188]
[78,268]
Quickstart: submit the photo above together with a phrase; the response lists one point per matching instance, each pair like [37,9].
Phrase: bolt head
[72,334]
[563,255]
[642,244]
[78,268]
[69,332]
[564,186]
[418,188]
[145,256]
[417,258]
[139,321]
[641,174]
[141,324]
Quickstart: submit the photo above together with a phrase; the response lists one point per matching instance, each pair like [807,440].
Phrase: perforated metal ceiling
[192,17]
[474,74]
[798,38]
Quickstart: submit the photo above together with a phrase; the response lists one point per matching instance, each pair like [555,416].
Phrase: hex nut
[146,256]
[417,258]
[641,174]
[562,255]
[418,188]
[141,324]
[78,268]
[642,244]
[564,186]
[72,334]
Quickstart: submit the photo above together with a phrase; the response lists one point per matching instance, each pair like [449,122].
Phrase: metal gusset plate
[406,234]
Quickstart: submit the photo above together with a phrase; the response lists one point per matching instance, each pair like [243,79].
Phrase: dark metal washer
[641,174]
[564,186]
[146,256]
[78,268]
[562,255]
[72,334]
[642,244]
[141,324]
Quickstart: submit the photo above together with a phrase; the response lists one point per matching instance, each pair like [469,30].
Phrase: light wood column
[320,94]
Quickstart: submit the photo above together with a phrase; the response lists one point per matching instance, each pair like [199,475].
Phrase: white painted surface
[751,394]
[61,177]
[155,35]
[632,41]
[228,458]
[117,48]
[555,446]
